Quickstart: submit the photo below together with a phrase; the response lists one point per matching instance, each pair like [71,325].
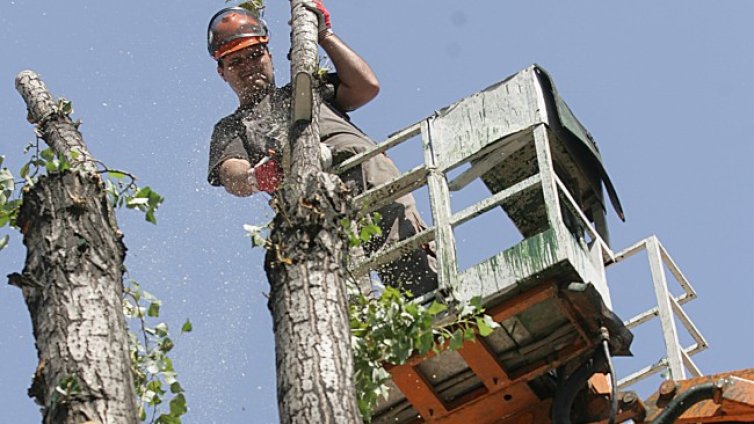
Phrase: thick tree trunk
[305,268]
[309,307]
[72,284]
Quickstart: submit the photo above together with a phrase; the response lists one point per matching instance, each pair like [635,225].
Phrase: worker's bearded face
[249,73]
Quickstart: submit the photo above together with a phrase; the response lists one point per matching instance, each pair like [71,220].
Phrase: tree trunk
[72,282]
[305,267]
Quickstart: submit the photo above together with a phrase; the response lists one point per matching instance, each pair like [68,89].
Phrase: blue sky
[664,88]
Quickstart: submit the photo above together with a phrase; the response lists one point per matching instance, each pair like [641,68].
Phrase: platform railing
[669,308]
[440,186]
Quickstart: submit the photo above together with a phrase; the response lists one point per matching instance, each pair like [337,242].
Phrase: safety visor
[233,29]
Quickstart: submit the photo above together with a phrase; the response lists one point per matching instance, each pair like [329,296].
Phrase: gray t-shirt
[253,132]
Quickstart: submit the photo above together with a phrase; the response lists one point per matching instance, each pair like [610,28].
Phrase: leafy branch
[151,367]
[258,235]
[256,6]
[9,206]
[120,186]
[392,328]
[362,231]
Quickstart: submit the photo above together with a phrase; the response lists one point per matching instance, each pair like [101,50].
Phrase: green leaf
[491,323]
[476,302]
[167,345]
[255,233]
[168,364]
[154,309]
[469,333]
[364,235]
[117,175]
[436,308]
[176,388]
[47,154]
[161,329]
[254,6]
[6,180]
[167,419]
[456,340]
[150,217]
[425,342]
[4,241]
[65,106]
[25,170]
[178,405]
[155,386]
[63,165]
[484,329]
[187,327]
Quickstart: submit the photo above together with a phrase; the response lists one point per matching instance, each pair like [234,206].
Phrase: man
[245,144]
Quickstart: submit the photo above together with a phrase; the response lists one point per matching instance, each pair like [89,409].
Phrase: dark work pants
[416,270]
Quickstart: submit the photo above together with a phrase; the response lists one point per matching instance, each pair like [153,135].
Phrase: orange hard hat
[233,29]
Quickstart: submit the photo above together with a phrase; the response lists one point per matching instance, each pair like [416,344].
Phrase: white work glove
[323,16]
[325,156]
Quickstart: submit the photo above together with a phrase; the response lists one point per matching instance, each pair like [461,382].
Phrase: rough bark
[309,307]
[56,129]
[305,269]
[72,284]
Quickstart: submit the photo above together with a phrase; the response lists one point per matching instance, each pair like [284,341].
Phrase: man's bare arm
[358,83]
[233,175]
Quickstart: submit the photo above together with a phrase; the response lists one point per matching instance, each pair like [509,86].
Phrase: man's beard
[259,88]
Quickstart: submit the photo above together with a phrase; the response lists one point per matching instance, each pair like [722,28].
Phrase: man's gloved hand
[265,176]
[323,16]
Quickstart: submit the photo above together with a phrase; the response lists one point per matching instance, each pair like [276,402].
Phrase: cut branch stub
[53,124]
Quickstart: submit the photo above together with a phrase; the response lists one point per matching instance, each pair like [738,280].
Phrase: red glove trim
[325,13]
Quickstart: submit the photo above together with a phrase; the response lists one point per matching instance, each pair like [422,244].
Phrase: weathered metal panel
[501,273]
[534,259]
[474,122]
